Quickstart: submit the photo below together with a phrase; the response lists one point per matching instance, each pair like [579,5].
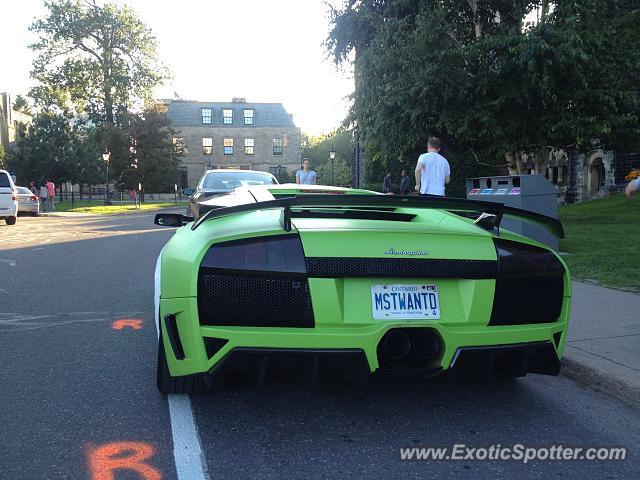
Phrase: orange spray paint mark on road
[105,460]
[121,324]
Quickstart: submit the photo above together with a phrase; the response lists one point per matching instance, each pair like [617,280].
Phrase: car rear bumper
[527,348]
[29,207]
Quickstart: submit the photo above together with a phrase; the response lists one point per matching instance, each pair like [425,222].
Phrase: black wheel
[34,214]
[198,383]
[11,220]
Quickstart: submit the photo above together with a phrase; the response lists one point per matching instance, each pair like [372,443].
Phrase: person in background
[404,183]
[306,176]
[51,194]
[43,197]
[632,188]
[432,171]
[386,183]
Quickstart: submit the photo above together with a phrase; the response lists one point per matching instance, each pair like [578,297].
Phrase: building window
[248,117]
[249,143]
[207,113]
[178,146]
[277,146]
[228,146]
[227,116]
[207,146]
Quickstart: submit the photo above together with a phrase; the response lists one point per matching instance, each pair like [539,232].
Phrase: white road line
[12,263]
[187,453]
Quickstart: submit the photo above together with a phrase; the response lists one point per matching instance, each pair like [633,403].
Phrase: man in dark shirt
[386,183]
[404,183]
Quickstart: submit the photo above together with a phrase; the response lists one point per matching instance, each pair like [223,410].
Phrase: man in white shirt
[432,171]
[306,176]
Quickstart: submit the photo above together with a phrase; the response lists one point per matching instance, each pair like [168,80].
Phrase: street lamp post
[105,157]
[332,157]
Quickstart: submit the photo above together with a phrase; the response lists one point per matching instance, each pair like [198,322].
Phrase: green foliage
[338,175]
[3,156]
[486,83]
[55,147]
[20,104]
[142,151]
[102,59]
[317,148]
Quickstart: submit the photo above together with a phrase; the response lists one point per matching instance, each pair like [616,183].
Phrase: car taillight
[34,198]
[257,282]
[13,194]
[529,287]
[276,254]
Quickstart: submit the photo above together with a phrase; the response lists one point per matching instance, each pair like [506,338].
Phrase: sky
[261,50]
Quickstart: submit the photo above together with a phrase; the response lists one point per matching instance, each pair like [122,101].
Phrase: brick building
[9,118]
[236,134]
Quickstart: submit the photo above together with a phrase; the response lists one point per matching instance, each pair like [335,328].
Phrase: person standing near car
[432,171]
[51,194]
[43,197]
[632,188]
[306,176]
[404,183]
[386,183]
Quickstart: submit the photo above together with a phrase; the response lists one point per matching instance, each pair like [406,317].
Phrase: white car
[8,199]
[27,201]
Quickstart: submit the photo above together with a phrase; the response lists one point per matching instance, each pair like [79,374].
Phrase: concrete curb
[605,381]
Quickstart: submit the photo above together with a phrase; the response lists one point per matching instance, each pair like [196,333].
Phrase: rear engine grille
[521,301]
[236,300]
[401,267]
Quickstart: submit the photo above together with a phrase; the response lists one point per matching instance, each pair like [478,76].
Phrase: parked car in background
[215,183]
[8,200]
[27,201]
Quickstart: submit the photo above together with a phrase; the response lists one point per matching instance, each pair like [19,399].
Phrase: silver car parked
[27,201]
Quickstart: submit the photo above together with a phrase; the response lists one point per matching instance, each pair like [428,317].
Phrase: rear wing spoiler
[489,214]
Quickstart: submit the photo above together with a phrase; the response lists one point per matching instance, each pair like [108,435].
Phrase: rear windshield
[4,180]
[23,191]
[231,180]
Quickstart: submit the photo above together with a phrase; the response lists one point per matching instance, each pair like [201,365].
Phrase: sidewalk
[603,345]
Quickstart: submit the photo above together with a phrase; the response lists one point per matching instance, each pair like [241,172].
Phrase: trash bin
[529,192]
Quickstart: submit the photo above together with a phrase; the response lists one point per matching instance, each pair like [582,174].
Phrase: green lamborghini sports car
[320,282]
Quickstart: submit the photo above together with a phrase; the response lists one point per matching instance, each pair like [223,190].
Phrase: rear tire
[11,220]
[197,383]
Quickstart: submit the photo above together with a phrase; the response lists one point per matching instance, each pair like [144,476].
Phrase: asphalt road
[78,396]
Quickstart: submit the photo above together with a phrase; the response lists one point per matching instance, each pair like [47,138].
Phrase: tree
[20,104]
[317,149]
[490,85]
[3,156]
[142,151]
[103,56]
[340,172]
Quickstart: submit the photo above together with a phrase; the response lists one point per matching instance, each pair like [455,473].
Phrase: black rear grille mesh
[245,301]
[401,267]
[520,301]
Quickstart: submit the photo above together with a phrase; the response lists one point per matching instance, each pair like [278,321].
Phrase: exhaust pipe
[397,344]
[426,344]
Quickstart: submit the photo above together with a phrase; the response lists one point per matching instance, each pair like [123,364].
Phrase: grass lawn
[97,207]
[603,240]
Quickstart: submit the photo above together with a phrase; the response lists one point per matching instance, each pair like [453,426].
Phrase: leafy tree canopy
[477,75]
[102,56]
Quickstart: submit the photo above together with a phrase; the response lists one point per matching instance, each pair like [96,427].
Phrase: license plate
[405,302]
